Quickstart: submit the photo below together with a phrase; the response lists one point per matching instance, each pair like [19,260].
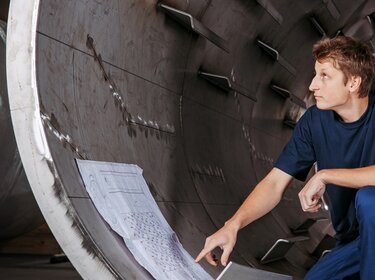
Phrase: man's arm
[266,195]
[352,178]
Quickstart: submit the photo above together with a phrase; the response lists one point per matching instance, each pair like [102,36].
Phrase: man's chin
[321,106]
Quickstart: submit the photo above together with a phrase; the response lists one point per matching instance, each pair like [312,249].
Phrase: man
[338,133]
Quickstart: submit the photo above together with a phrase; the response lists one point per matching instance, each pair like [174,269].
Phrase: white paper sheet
[121,195]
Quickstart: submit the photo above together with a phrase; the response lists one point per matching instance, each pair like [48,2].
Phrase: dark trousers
[356,258]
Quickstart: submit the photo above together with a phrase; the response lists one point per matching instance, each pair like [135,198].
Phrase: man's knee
[365,205]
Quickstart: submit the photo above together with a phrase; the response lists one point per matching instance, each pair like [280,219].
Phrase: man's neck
[354,110]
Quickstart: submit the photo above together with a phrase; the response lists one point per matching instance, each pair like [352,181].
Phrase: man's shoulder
[315,118]
[313,109]
[314,112]
[311,113]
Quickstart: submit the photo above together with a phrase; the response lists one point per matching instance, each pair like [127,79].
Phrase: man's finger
[205,251]
[210,258]
[225,256]
[314,209]
[201,255]
[308,202]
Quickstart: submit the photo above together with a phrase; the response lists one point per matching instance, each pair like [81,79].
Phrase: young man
[339,134]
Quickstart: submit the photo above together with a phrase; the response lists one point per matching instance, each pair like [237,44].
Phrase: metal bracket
[318,26]
[192,24]
[268,49]
[267,5]
[292,124]
[325,245]
[275,55]
[226,84]
[287,94]
[298,101]
[280,248]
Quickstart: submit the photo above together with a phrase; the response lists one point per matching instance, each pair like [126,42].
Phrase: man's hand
[311,193]
[225,238]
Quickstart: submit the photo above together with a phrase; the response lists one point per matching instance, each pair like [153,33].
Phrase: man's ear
[354,83]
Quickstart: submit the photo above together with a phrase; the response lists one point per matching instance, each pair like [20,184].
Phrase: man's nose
[314,84]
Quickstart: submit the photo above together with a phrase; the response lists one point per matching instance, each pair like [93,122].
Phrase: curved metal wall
[19,212]
[203,143]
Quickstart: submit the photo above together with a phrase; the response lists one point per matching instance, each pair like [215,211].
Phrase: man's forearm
[256,205]
[353,178]
[266,195]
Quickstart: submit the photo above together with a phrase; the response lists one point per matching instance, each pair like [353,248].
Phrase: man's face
[328,87]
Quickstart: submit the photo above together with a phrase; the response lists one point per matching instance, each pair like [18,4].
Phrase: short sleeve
[298,155]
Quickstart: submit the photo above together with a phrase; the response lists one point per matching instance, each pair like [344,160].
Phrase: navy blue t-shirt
[321,136]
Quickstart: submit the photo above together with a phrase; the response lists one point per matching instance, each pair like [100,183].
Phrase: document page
[122,197]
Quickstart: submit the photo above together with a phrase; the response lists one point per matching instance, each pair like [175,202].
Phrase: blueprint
[121,196]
